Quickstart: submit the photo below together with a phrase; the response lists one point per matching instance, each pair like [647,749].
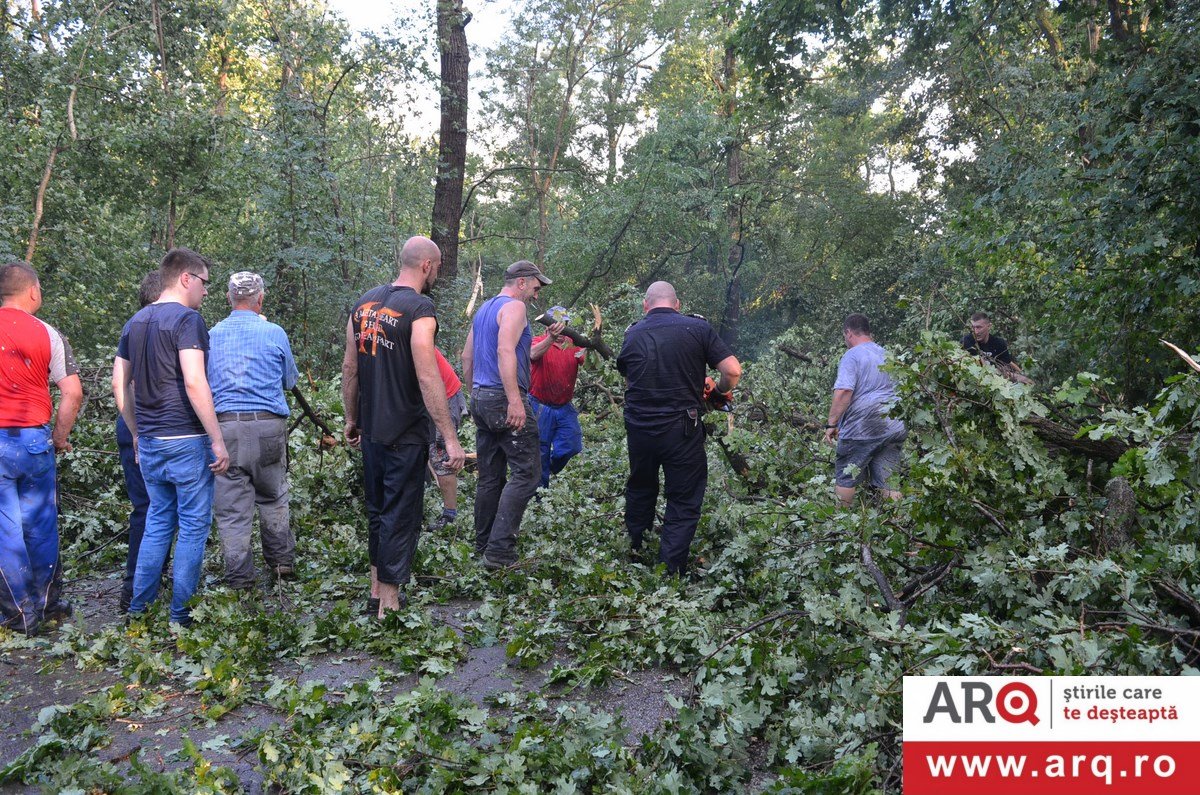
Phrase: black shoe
[58,611]
[493,565]
[283,572]
[637,556]
[371,608]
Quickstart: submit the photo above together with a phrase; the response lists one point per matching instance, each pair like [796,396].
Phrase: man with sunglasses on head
[164,351]
[496,364]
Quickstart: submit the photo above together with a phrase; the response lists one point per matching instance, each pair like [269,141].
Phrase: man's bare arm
[841,401]
[195,381]
[122,384]
[350,388]
[731,372]
[512,321]
[70,399]
[433,389]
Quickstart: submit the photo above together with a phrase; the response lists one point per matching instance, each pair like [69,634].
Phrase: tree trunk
[39,203]
[452,139]
[731,315]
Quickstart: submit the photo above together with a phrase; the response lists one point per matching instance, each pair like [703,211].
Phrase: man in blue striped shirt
[250,365]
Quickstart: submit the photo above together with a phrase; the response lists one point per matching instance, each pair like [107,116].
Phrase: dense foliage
[783,163]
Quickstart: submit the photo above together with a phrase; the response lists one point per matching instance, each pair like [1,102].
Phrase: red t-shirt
[32,354]
[449,377]
[552,377]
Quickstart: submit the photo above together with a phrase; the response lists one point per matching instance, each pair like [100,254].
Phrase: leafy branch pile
[785,653]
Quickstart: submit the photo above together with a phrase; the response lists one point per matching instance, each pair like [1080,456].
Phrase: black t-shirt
[995,348]
[391,410]
[665,358]
[151,342]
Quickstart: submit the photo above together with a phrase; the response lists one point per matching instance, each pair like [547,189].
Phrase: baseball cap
[244,284]
[525,268]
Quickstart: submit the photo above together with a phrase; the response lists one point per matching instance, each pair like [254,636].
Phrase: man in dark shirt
[664,360]
[135,484]
[391,390]
[164,350]
[982,342]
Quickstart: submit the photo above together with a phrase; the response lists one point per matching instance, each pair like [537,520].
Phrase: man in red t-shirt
[554,366]
[32,354]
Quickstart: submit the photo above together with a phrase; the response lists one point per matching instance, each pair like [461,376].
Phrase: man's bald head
[417,250]
[661,294]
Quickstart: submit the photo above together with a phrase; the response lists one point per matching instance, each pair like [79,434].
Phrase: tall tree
[452,136]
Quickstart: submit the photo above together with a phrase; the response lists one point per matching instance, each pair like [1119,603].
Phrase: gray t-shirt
[873,395]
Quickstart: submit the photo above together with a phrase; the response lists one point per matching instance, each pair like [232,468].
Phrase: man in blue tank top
[496,364]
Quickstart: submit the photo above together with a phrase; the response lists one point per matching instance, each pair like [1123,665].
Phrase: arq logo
[1016,702]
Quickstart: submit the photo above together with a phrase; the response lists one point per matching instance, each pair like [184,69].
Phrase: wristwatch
[831,426]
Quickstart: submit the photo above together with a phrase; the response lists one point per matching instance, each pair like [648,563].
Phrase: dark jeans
[135,489]
[560,434]
[679,451]
[394,482]
[500,504]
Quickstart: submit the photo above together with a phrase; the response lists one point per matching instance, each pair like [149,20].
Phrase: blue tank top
[486,331]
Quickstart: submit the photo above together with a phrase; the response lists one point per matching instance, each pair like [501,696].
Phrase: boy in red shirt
[554,366]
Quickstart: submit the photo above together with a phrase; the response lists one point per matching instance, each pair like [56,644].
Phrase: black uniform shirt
[664,359]
[995,348]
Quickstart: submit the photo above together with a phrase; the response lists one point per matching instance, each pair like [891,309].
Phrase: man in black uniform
[664,360]
[982,342]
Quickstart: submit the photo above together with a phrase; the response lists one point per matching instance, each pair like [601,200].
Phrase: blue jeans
[180,486]
[560,435]
[28,526]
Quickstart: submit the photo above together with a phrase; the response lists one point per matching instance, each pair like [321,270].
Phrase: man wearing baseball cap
[496,364]
[250,366]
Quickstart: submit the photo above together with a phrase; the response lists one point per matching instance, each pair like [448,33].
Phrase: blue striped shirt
[250,364]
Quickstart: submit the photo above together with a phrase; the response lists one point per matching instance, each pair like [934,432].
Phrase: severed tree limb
[312,415]
[1065,437]
[930,579]
[885,589]
[740,634]
[1182,355]
[795,354]
[1182,599]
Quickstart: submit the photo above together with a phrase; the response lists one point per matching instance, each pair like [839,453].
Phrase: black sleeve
[968,343]
[718,351]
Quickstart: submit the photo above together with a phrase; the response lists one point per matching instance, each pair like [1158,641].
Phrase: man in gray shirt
[868,441]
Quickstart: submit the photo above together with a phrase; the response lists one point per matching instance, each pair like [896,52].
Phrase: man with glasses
[496,364]
[164,350]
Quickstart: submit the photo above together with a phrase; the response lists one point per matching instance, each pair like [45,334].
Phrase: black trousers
[394,482]
[678,449]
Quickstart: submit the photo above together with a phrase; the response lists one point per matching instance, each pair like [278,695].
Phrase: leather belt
[248,416]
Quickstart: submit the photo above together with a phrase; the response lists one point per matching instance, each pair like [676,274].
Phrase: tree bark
[731,314]
[452,138]
[39,203]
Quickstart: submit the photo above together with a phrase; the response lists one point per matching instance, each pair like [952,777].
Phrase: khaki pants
[257,476]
